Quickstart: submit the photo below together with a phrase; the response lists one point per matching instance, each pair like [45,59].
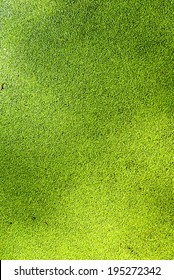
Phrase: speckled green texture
[86,129]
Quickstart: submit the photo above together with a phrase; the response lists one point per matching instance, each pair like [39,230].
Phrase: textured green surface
[86,129]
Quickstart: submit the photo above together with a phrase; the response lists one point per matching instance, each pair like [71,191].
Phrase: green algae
[86,130]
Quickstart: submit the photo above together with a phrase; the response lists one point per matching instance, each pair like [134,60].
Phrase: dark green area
[86,129]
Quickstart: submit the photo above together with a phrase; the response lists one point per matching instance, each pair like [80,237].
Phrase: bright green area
[86,129]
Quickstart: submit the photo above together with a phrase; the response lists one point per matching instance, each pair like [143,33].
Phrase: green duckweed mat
[86,129]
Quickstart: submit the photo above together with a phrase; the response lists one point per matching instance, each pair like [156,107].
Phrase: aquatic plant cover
[86,129]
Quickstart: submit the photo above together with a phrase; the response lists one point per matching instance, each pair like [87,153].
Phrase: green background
[86,129]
